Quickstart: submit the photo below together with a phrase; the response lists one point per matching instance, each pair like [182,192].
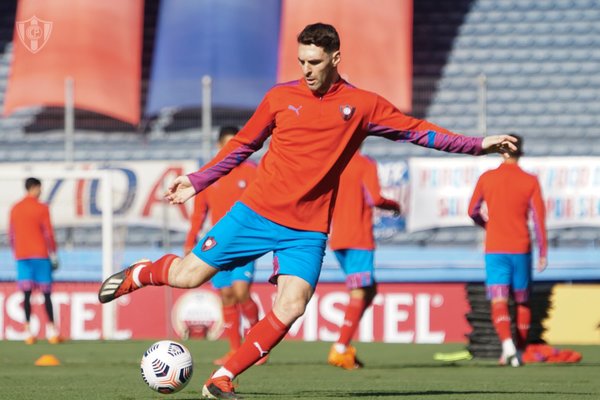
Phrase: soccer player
[316,124]
[32,240]
[510,194]
[234,285]
[353,244]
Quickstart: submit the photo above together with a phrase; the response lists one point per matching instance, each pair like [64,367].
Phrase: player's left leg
[293,294]
[358,265]
[297,264]
[521,291]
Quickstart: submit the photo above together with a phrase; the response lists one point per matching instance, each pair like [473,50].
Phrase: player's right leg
[225,246]
[171,270]
[25,283]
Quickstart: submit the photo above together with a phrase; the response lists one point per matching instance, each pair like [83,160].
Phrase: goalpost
[104,177]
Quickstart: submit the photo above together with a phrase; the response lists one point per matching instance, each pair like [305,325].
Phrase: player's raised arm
[249,139]
[388,122]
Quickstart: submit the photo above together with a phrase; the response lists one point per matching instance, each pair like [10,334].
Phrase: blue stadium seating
[541,60]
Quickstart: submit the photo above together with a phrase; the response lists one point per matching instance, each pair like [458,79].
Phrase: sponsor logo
[295,109]
[260,350]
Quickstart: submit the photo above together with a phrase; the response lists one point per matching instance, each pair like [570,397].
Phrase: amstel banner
[401,313]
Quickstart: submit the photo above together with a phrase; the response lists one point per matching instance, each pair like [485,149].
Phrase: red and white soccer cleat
[120,283]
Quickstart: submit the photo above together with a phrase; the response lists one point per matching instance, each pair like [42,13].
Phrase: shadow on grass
[396,394]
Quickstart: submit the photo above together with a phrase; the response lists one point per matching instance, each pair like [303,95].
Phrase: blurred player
[316,125]
[353,244]
[510,194]
[32,240]
[233,286]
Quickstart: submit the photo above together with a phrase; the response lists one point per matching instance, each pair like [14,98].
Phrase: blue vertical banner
[234,41]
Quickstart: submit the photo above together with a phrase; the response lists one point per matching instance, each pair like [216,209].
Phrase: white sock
[136,275]
[223,372]
[51,331]
[340,348]
[508,347]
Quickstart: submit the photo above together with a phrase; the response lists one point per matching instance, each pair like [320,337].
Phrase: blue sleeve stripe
[431,139]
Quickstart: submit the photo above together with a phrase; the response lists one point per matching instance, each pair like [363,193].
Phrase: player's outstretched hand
[498,143]
[542,264]
[180,190]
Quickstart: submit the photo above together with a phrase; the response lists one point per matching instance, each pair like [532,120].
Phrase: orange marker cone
[47,360]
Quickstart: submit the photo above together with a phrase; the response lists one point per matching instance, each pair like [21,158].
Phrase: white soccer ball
[167,366]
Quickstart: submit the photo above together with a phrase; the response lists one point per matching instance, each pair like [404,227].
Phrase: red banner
[97,43]
[376,43]
[401,313]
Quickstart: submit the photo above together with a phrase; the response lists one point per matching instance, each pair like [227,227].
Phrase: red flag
[376,43]
[98,43]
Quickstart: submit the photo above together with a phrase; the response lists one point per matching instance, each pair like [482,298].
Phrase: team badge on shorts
[347,111]
[209,243]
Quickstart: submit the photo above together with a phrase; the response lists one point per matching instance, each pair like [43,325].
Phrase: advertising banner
[401,313]
[441,188]
[138,189]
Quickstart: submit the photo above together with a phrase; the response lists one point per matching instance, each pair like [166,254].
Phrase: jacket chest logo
[347,111]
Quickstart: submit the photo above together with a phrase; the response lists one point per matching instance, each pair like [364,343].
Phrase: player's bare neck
[322,91]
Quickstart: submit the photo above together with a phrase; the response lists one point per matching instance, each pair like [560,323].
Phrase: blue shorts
[243,235]
[225,279]
[505,272]
[358,265]
[34,272]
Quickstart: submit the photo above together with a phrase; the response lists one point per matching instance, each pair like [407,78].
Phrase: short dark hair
[32,182]
[227,130]
[321,35]
[518,144]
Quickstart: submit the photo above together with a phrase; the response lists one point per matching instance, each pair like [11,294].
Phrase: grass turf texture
[296,370]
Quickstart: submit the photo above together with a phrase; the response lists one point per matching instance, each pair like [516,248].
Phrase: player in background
[234,285]
[32,239]
[316,124]
[352,242]
[510,194]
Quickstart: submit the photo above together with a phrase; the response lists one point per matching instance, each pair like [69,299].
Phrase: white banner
[138,189]
[441,188]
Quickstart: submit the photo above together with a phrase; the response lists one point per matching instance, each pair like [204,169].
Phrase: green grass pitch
[296,370]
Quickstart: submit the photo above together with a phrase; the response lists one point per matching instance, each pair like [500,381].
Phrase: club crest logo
[347,111]
[242,184]
[209,243]
[34,33]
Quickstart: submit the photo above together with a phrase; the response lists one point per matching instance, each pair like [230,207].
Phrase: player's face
[224,140]
[35,191]
[318,67]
